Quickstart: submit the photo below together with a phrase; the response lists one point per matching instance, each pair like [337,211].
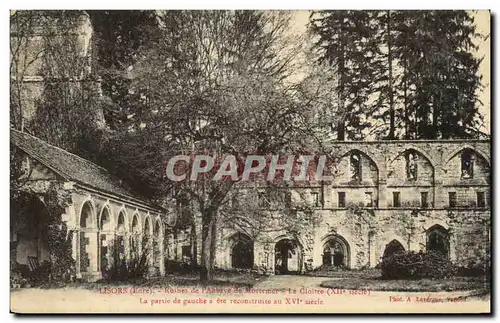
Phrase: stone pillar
[162,256]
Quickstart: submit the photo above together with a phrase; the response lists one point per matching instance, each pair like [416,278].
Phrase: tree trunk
[392,112]
[207,250]
[194,245]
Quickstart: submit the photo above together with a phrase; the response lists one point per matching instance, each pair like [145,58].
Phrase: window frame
[344,199]
[396,197]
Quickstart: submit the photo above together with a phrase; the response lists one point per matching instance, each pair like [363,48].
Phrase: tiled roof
[70,166]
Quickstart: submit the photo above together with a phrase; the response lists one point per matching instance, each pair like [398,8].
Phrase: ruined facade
[386,196]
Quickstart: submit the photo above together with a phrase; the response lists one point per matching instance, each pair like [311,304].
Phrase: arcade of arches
[105,241]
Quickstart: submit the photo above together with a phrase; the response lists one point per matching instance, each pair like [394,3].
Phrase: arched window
[355,163]
[467,164]
[120,227]
[411,165]
[437,240]
[147,227]
[105,223]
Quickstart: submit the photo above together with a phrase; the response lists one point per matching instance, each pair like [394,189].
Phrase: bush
[475,267]
[413,265]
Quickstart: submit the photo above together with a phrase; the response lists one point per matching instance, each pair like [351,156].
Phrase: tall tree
[346,42]
[423,73]
[118,35]
[216,83]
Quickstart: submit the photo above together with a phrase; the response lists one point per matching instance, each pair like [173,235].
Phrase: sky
[482,20]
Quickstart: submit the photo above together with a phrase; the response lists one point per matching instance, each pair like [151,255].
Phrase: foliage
[391,68]
[133,266]
[477,267]
[208,69]
[413,265]
[119,36]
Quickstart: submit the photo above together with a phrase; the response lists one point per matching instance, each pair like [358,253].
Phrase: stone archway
[105,238]
[336,252]
[242,253]
[393,248]
[88,251]
[438,240]
[288,256]
[119,250]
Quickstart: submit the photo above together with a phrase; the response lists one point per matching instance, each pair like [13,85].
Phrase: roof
[70,166]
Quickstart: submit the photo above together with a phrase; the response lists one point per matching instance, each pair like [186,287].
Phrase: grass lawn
[406,285]
[343,273]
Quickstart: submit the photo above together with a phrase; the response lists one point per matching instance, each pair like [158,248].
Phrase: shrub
[134,267]
[475,267]
[413,265]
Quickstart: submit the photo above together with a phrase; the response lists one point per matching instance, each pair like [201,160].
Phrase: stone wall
[366,231]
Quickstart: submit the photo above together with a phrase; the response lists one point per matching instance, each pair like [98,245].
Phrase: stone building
[386,196]
[104,219]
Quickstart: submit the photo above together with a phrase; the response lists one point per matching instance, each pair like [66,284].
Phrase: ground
[191,298]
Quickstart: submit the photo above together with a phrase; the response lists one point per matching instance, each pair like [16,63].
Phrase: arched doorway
[147,244]
[135,239]
[393,248]
[242,252]
[336,252]
[105,236]
[157,241]
[119,247]
[288,257]
[438,240]
[88,240]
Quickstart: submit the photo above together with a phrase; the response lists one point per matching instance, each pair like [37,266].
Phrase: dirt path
[269,296]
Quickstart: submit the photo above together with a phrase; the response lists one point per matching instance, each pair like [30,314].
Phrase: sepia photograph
[250,161]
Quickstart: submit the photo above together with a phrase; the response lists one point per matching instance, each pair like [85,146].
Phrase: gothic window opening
[355,162]
[438,240]
[335,253]
[411,166]
[467,165]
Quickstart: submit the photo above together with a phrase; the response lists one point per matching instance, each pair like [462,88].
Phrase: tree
[118,35]
[346,42]
[51,58]
[216,85]
[422,75]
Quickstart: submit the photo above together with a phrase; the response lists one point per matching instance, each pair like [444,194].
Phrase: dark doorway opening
[288,257]
[393,248]
[242,252]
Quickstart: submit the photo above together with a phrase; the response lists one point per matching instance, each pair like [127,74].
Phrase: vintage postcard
[221,161]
